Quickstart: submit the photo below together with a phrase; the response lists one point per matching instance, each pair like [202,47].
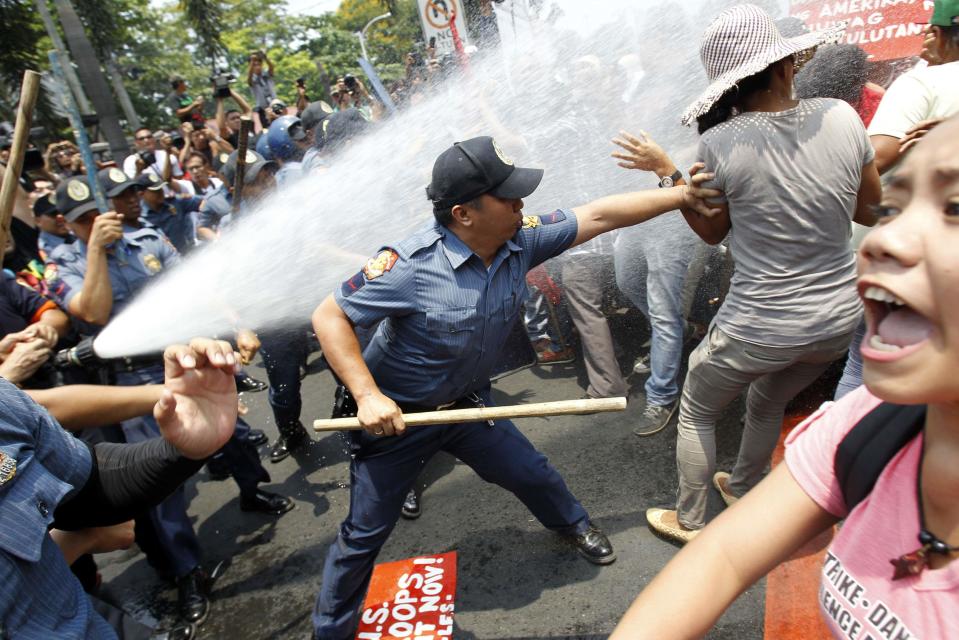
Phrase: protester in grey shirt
[795,172]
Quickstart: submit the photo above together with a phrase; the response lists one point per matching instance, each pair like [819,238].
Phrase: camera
[147,157]
[278,108]
[350,81]
[221,83]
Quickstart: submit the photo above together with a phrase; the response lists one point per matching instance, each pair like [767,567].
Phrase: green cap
[945,13]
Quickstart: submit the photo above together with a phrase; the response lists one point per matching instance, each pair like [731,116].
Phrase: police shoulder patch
[530,222]
[553,218]
[380,263]
[8,468]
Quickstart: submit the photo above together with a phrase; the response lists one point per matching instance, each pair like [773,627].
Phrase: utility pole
[133,120]
[69,72]
[93,79]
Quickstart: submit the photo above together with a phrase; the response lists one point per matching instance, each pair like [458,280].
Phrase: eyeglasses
[143,138]
[195,168]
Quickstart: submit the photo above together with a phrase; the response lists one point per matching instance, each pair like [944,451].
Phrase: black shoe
[266,502]
[217,468]
[593,545]
[193,591]
[256,437]
[182,631]
[248,383]
[411,506]
[289,441]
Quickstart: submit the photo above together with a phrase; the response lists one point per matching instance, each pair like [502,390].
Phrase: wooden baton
[21,138]
[482,414]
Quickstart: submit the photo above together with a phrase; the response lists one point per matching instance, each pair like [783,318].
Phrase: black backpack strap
[871,444]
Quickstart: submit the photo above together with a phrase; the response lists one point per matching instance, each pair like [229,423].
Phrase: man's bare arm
[79,406]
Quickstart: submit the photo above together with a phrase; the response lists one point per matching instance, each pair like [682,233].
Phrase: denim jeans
[720,368]
[852,373]
[651,264]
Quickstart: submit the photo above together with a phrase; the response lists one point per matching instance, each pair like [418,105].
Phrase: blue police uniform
[138,257]
[445,316]
[41,465]
[176,218]
[47,242]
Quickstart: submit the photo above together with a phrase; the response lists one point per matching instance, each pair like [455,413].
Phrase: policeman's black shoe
[257,437]
[181,631]
[265,502]
[193,600]
[411,506]
[248,383]
[217,469]
[593,545]
[289,441]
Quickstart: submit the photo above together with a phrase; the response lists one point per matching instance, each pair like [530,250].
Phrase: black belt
[344,405]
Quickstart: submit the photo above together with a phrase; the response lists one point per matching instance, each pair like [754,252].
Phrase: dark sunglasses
[142,138]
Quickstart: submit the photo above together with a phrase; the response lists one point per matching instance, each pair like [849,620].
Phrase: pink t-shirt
[858,597]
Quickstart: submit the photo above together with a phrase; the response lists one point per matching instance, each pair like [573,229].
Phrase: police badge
[530,222]
[8,468]
[152,263]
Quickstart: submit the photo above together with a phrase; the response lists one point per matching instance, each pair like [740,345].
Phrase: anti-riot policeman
[445,299]
[103,271]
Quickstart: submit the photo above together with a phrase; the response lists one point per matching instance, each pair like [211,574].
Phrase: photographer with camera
[148,157]
[261,84]
[204,141]
[184,107]
[228,120]
[62,160]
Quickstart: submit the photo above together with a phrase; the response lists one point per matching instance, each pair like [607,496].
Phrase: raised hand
[642,154]
[198,408]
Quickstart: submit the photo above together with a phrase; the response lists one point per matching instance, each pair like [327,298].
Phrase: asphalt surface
[515,579]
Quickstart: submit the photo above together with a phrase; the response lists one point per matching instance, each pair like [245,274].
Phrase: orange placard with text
[885,29]
[410,599]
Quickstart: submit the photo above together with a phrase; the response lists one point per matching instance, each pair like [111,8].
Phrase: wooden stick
[477,414]
[21,137]
[243,141]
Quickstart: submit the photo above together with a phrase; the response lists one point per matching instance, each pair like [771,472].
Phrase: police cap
[476,166]
[46,205]
[114,182]
[254,164]
[75,198]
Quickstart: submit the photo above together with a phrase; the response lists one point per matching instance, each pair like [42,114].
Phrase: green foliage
[152,41]
[206,19]
[25,46]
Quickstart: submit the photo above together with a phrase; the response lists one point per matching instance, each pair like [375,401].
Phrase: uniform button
[43,508]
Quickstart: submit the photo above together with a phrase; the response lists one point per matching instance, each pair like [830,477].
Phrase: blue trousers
[651,269]
[382,472]
[284,351]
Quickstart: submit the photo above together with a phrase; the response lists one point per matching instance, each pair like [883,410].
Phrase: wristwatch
[670,181]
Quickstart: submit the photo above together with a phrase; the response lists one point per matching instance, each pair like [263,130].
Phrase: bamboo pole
[482,414]
[21,137]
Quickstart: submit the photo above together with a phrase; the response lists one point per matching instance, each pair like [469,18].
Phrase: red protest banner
[410,599]
[885,29]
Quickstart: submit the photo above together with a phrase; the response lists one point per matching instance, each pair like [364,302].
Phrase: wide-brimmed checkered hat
[742,41]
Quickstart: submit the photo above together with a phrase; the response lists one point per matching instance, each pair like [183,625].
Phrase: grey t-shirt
[791,179]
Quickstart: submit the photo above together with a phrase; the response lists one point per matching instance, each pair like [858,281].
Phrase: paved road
[515,579]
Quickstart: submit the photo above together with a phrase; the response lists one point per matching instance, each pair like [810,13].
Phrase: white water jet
[637,70]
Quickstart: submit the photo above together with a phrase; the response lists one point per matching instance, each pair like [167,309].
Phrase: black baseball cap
[74,198]
[314,114]
[114,182]
[254,164]
[341,127]
[151,181]
[46,205]
[476,166]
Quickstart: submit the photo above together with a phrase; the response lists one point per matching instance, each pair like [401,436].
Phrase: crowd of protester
[805,163]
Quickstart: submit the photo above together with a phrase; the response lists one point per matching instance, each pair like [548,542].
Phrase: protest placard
[885,29]
[410,599]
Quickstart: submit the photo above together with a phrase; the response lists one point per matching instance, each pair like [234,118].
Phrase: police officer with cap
[445,299]
[52,226]
[103,271]
[174,216]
